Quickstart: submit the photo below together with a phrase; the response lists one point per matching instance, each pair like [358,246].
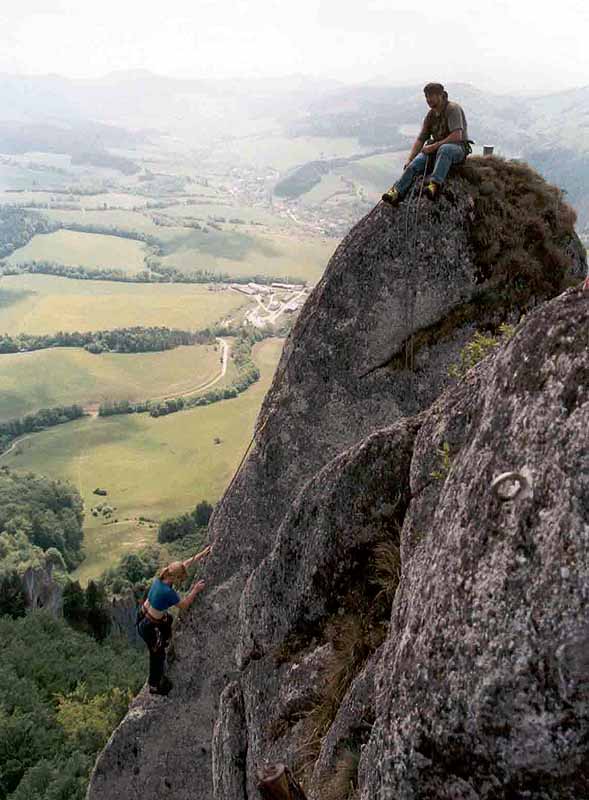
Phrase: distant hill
[91,118]
[551,132]
[139,99]
[370,112]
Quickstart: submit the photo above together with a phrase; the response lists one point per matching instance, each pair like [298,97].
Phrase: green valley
[151,468]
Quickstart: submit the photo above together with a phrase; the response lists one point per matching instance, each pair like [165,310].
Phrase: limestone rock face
[123,615]
[41,590]
[483,685]
[340,463]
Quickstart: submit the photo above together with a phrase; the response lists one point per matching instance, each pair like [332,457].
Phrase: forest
[64,682]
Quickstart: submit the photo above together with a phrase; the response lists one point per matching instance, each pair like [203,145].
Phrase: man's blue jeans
[445,156]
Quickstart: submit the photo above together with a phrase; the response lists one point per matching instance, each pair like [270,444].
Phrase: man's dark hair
[433,88]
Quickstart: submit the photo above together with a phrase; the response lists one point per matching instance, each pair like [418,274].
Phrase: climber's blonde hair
[176,571]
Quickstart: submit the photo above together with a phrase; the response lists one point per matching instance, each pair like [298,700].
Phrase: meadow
[265,244]
[126,219]
[281,152]
[237,253]
[373,175]
[88,249]
[151,468]
[63,376]
[22,178]
[45,304]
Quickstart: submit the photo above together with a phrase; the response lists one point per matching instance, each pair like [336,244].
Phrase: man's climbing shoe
[162,688]
[393,197]
[432,190]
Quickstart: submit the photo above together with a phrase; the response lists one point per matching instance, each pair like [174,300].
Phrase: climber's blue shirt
[161,596]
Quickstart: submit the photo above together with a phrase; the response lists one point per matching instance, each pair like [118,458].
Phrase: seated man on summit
[443,134]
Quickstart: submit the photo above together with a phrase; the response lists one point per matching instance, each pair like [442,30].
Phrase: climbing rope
[412,280]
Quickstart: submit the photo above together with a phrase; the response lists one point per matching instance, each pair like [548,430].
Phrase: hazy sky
[524,45]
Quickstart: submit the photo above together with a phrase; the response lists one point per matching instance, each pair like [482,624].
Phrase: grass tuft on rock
[387,571]
[522,230]
[353,638]
[343,784]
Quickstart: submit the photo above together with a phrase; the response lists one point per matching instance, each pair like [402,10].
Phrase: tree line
[37,421]
[161,274]
[137,339]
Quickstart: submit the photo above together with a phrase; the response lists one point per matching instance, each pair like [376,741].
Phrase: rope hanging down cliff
[411,283]
[413,277]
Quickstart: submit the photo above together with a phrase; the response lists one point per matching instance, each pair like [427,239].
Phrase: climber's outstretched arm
[195,559]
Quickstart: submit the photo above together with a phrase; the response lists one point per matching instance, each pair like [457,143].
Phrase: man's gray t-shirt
[439,126]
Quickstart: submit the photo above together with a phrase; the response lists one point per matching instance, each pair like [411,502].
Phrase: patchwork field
[150,467]
[21,177]
[246,213]
[237,253]
[62,376]
[372,175]
[375,174]
[88,249]
[262,245]
[125,219]
[45,304]
[281,152]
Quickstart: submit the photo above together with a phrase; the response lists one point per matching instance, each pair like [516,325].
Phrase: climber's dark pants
[156,636]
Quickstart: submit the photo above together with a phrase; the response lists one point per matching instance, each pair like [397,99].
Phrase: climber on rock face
[442,141]
[154,624]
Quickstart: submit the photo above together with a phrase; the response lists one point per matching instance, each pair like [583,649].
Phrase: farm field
[375,174]
[46,303]
[237,254]
[281,152]
[88,249]
[150,467]
[326,188]
[62,376]
[117,217]
[204,210]
[21,177]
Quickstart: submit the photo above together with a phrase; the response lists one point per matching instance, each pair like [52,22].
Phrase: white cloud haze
[514,46]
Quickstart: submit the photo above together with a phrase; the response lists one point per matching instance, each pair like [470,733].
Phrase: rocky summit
[381,616]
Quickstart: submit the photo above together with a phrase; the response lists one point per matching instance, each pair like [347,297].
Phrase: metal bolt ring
[507,477]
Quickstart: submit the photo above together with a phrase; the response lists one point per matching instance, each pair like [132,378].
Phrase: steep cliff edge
[333,477]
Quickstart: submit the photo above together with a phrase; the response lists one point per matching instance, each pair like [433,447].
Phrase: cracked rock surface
[335,450]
